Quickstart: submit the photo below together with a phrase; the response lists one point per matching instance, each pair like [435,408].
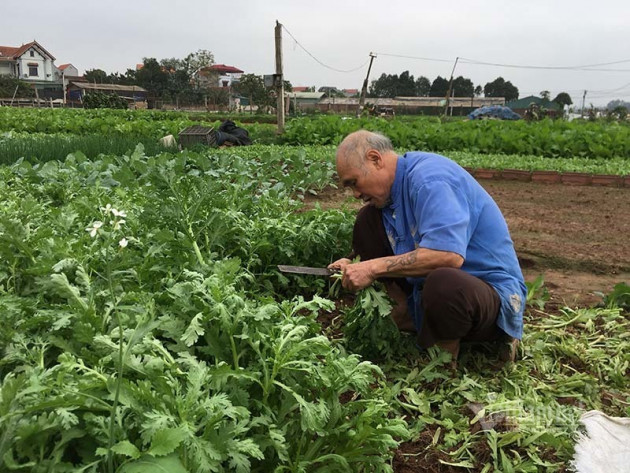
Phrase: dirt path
[576,237]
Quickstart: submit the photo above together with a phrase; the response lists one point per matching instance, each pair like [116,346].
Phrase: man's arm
[416,263]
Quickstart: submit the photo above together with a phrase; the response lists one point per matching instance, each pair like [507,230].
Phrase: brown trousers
[456,305]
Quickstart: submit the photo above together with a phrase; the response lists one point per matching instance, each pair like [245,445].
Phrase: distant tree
[217,95]
[616,103]
[394,85]
[406,86]
[545,94]
[331,91]
[197,60]
[478,91]
[129,78]
[253,87]
[463,87]
[288,87]
[439,87]
[96,76]
[384,86]
[172,64]
[501,88]
[423,87]
[152,77]
[618,113]
[563,99]
[10,86]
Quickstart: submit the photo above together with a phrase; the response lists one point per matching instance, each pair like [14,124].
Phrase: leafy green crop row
[546,138]
[132,123]
[144,327]
[147,338]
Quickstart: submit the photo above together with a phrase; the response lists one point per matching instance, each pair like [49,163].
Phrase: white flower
[120,213]
[123,242]
[116,223]
[94,228]
[107,209]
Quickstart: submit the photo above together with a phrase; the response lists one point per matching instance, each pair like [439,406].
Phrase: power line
[587,67]
[415,57]
[320,62]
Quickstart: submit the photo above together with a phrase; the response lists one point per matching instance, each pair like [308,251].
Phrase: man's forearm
[415,263]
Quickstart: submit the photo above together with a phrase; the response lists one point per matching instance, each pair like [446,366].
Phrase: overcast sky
[114,35]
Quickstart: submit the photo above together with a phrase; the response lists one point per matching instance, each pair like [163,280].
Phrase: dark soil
[420,455]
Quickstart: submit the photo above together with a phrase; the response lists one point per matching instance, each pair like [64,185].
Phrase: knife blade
[306,270]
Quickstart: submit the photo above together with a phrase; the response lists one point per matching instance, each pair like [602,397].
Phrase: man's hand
[340,264]
[355,276]
[358,276]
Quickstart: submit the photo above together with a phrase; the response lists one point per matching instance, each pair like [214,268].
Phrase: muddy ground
[577,237]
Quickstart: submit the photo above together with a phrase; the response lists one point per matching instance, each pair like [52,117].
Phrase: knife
[307,270]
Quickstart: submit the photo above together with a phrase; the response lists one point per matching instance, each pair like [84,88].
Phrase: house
[521,106]
[301,88]
[220,75]
[68,70]
[301,101]
[350,92]
[29,62]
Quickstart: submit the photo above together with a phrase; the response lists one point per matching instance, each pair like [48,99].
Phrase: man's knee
[457,305]
[440,286]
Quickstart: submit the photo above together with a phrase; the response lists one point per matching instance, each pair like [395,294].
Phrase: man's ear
[374,157]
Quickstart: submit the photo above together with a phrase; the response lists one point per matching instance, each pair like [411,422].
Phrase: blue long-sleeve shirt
[438,205]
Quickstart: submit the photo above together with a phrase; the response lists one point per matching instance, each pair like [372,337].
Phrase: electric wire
[587,67]
[320,62]
[414,57]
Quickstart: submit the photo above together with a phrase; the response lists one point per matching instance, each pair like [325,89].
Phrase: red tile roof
[300,89]
[13,52]
[8,51]
[351,91]
[223,68]
[63,67]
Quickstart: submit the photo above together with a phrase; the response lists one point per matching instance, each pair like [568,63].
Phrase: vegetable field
[145,327]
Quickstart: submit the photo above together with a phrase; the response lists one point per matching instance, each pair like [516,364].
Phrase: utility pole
[583,99]
[450,88]
[365,85]
[279,79]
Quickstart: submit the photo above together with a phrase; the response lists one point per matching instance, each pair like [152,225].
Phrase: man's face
[367,182]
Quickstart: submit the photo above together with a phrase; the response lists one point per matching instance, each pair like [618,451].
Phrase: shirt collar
[396,190]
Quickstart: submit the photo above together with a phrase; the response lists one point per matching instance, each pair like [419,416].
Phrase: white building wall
[6,68]
[230,77]
[71,71]
[45,67]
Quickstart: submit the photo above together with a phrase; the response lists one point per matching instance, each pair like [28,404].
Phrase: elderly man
[437,240]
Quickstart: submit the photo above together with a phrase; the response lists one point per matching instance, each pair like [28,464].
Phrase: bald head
[354,148]
[366,162]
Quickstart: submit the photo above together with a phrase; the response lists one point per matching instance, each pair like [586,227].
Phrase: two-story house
[29,62]
[220,75]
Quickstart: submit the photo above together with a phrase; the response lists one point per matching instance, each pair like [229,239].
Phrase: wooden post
[364,88]
[279,79]
[450,87]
